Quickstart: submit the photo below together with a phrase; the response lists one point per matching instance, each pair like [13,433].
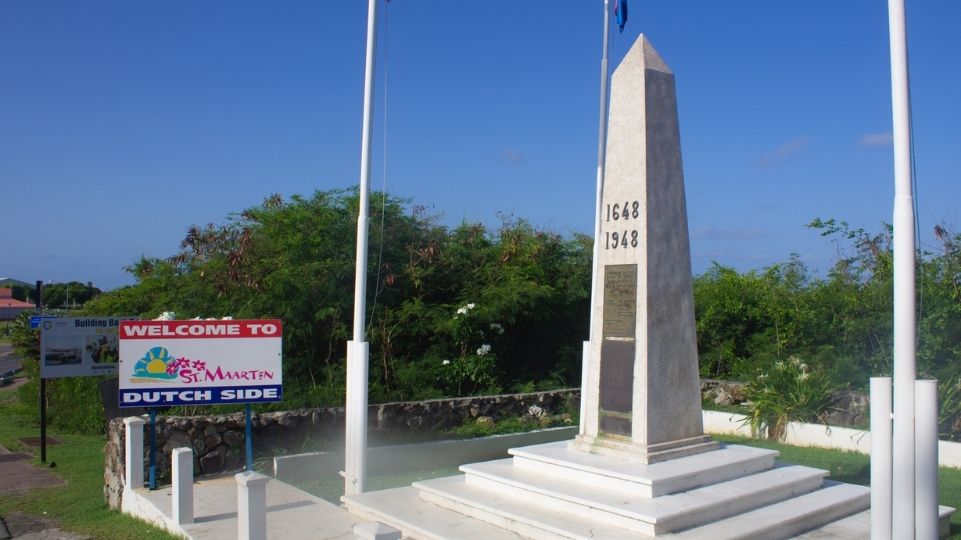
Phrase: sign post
[43,389]
[249,438]
[72,347]
[152,479]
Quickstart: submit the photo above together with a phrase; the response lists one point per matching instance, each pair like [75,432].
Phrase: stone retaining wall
[218,441]
[850,408]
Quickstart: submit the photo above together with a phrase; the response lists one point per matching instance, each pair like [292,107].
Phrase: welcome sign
[200,362]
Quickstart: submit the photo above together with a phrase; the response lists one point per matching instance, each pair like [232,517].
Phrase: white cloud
[785,150]
[514,157]
[714,233]
[877,139]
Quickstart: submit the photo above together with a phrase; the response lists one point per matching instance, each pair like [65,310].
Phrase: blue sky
[123,123]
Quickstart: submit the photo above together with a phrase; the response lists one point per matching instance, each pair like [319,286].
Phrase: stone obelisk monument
[643,391]
[641,465]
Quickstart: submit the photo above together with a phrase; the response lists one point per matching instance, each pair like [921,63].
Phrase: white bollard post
[251,506]
[183,485]
[926,459]
[881,458]
[133,452]
[585,373]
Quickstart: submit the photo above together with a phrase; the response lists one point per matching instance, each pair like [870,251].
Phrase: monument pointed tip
[642,51]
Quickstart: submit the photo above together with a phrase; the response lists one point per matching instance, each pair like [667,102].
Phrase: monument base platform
[637,453]
[554,491]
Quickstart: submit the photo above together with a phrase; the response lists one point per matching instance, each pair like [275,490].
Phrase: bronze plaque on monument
[620,300]
[618,349]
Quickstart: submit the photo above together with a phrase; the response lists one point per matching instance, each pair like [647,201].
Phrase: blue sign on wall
[36,319]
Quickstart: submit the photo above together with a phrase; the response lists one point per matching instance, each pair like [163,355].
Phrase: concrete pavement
[17,474]
[9,364]
[291,513]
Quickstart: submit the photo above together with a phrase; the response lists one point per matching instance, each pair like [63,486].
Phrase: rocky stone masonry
[218,441]
[850,408]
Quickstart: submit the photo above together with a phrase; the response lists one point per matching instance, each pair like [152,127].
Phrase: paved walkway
[24,527]
[17,474]
[9,364]
[291,513]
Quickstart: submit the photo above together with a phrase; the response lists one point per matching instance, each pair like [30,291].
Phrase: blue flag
[620,14]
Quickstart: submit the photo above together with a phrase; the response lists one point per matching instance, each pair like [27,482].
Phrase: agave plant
[790,391]
[949,407]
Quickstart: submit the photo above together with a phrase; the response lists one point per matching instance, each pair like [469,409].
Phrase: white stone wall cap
[251,479]
[375,530]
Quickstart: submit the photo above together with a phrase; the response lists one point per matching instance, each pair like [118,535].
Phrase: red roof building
[11,307]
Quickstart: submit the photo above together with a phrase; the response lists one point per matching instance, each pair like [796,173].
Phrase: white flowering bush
[475,367]
[789,391]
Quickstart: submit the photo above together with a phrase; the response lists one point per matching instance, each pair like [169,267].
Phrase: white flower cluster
[172,316]
[497,328]
[484,349]
[465,308]
[445,363]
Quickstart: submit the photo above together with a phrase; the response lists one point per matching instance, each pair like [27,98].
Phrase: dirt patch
[11,386]
[16,456]
[27,527]
[21,476]
[35,441]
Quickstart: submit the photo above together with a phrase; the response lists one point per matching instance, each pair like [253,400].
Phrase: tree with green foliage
[843,323]
[294,260]
[472,310]
[70,295]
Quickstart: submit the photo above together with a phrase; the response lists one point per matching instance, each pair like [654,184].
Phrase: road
[8,362]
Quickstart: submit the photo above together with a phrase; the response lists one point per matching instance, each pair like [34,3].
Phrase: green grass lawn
[854,468]
[78,506]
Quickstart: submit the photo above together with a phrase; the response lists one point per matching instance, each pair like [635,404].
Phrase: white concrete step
[527,517]
[647,480]
[628,511]
[789,518]
[858,526]
[500,517]
[404,509]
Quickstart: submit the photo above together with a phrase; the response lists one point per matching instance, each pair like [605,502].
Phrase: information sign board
[200,362]
[78,346]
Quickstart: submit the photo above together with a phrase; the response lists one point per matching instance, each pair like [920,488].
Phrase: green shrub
[949,408]
[789,391]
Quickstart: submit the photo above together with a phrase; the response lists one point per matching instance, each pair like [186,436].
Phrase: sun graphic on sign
[156,364]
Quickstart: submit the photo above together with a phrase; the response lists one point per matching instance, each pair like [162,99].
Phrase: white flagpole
[601,155]
[903,487]
[355,466]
